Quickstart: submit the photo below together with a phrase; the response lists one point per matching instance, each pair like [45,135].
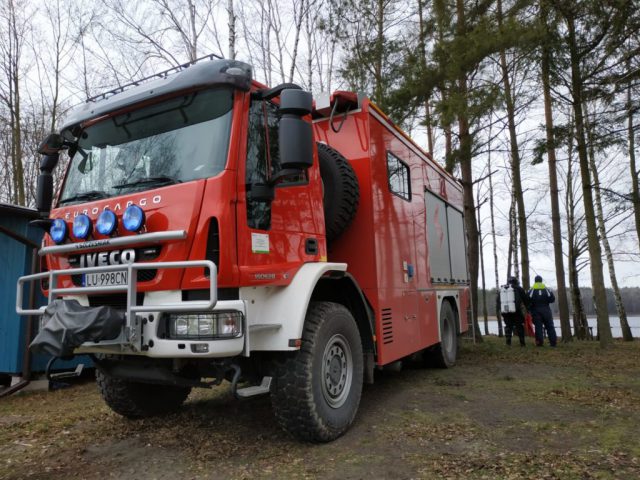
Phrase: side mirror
[44,193]
[296,135]
[52,144]
[50,148]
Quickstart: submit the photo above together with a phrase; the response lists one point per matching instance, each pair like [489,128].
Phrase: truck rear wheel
[317,390]
[341,191]
[445,353]
[139,400]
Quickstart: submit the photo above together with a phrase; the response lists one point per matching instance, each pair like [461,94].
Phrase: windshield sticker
[259,243]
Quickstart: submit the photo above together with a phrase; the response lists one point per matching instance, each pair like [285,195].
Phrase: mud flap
[67,325]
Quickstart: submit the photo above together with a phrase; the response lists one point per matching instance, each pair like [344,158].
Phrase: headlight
[205,325]
[106,223]
[82,226]
[58,230]
[133,218]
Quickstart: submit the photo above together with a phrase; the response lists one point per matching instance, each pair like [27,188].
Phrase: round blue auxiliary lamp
[58,231]
[106,223]
[133,218]
[82,226]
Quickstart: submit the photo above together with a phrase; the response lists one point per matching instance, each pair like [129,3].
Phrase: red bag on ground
[528,326]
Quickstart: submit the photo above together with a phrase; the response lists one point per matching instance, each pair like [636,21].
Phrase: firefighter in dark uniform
[541,297]
[514,320]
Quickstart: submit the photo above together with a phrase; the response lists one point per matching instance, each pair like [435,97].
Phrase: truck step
[75,373]
[254,390]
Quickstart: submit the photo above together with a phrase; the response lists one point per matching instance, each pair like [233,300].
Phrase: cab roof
[204,72]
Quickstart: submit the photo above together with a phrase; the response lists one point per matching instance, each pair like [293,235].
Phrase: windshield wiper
[90,195]
[157,180]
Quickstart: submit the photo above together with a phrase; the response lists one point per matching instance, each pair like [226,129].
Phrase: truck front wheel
[317,390]
[139,400]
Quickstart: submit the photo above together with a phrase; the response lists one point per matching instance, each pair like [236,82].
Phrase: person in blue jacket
[540,298]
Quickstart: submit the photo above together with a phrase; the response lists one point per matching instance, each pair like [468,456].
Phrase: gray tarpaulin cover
[67,325]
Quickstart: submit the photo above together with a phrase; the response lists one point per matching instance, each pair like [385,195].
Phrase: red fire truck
[211,228]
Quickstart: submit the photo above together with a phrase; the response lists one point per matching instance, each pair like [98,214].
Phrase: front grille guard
[131,331]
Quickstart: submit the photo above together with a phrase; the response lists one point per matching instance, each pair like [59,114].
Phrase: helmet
[538,279]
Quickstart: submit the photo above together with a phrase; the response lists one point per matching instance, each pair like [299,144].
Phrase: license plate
[105,279]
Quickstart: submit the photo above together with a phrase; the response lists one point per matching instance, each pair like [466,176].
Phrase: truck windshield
[178,140]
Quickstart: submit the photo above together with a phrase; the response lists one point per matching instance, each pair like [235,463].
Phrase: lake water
[616,331]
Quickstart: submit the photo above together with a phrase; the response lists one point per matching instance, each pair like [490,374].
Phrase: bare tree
[631,139]
[493,230]
[169,30]
[576,244]
[515,159]
[299,13]
[602,229]
[14,30]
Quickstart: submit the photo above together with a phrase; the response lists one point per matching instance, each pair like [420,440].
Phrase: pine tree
[545,66]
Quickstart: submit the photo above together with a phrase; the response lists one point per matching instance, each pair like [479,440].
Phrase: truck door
[274,237]
[401,242]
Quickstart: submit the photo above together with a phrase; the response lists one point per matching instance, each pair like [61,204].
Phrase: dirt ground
[568,413]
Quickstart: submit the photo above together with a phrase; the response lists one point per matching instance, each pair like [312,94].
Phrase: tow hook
[54,378]
[234,380]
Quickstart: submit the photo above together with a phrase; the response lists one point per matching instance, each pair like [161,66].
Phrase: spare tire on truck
[341,191]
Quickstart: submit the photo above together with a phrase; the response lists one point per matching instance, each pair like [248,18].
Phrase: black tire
[341,191]
[316,391]
[445,353]
[139,400]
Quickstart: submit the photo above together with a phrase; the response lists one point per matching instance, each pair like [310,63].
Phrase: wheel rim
[337,371]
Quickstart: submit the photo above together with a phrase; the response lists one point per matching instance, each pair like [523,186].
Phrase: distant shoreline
[557,317]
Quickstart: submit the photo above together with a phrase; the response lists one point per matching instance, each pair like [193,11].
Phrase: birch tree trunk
[423,57]
[511,240]
[275,21]
[485,312]
[635,192]
[602,228]
[298,26]
[493,234]
[232,30]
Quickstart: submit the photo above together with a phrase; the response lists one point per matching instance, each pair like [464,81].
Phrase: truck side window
[399,179]
[262,153]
